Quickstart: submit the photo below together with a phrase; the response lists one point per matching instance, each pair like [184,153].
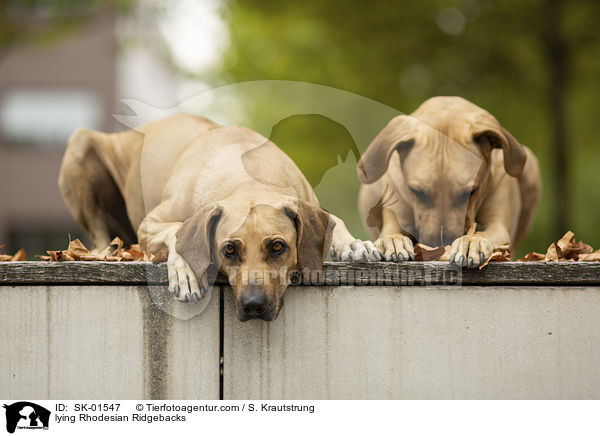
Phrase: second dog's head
[258,248]
[443,168]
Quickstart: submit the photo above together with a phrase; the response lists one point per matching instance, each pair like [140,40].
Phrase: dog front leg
[473,250]
[393,245]
[155,235]
[346,248]
[496,217]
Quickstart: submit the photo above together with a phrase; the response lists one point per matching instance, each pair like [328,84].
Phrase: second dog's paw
[182,281]
[357,251]
[470,251]
[396,247]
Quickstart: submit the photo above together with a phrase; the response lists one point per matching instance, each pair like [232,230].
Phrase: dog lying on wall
[448,165]
[206,194]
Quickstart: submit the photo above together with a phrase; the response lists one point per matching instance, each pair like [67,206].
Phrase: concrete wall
[103,342]
[419,343]
[470,342]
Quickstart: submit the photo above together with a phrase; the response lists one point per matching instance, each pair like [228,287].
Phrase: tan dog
[455,165]
[205,193]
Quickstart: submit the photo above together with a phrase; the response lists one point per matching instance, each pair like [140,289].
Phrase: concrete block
[486,342]
[103,342]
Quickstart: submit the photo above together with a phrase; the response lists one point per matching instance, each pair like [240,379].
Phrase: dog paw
[182,281]
[357,251]
[396,248]
[470,251]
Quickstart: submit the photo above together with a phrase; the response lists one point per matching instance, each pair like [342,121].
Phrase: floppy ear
[195,239]
[314,229]
[514,153]
[397,135]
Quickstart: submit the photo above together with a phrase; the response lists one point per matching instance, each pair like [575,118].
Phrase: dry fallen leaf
[119,246]
[500,254]
[590,257]
[533,257]
[567,249]
[446,256]
[566,240]
[553,253]
[19,256]
[135,255]
[570,249]
[425,253]
[59,256]
[78,251]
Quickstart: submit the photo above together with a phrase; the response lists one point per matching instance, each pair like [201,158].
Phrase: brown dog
[429,175]
[205,193]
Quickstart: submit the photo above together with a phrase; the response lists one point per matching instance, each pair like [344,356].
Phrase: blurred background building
[63,68]
[45,93]
[64,64]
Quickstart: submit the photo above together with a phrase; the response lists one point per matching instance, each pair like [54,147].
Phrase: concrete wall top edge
[333,274]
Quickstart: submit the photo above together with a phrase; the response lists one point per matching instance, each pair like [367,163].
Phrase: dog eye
[229,250]
[277,247]
[421,195]
[465,196]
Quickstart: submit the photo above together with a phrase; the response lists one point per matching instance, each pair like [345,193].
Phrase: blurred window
[46,118]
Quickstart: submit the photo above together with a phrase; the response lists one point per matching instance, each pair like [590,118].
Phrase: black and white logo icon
[26,415]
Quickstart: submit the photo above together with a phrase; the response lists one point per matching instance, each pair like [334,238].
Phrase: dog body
[430,175]
[205,193]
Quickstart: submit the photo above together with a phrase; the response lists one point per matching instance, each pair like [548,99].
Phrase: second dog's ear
[397,135]
[514,153]
[195,239]
[314,229]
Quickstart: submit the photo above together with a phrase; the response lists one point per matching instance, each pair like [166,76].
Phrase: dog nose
[254,303]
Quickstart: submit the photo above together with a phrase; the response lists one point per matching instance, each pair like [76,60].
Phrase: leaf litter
[77,251]
[566,249]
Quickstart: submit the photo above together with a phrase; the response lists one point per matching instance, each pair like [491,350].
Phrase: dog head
[258,248]
[443,166]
